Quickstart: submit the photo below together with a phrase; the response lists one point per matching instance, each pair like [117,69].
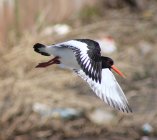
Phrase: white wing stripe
[109,90]
[80,45]
[87,63]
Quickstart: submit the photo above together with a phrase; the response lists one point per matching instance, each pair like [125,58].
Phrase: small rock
[40,108]
[107,45]
[101,117]
[145,47]
[145,138]
[66,113]
[61,29]
[148,138]
[57,113]
[147,128]
[22,137]
[47,31]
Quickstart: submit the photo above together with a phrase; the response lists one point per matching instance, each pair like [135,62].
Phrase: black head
[109,63]
[106,62]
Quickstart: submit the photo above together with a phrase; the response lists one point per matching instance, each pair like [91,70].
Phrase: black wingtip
[127,109]
[38,48]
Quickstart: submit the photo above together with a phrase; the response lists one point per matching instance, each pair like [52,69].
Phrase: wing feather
[86,58]
[108,90]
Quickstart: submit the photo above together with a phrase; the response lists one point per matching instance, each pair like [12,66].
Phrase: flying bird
[83,56]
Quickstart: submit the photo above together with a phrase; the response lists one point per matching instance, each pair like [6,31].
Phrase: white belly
[67,57]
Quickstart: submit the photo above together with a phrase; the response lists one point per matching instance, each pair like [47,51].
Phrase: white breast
[67,57]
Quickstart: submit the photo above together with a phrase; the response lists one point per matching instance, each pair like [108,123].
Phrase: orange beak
[118,71]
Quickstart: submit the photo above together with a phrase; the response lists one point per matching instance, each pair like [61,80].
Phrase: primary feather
[108,90]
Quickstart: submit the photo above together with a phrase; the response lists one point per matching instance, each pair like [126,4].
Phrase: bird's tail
[40,48]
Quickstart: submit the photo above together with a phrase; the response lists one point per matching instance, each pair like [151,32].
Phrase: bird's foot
[50,62]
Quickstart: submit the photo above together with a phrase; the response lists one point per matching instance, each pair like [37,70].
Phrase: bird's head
[109,63]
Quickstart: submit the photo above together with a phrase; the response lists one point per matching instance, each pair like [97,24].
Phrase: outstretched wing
[88,57]
[108,90]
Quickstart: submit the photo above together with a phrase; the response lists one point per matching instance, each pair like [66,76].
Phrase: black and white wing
[87,53]
[108,90]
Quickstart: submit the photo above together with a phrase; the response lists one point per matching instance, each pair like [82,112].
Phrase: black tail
[40,48]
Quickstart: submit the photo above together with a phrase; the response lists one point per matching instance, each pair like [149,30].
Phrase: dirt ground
[22,85]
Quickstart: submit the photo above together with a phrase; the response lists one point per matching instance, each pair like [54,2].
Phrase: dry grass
[19,16]
[22,85]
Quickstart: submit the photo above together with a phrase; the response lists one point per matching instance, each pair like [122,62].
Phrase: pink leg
[50,62]
[54,59]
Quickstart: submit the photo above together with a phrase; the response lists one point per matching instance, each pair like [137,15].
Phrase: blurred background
[55,104]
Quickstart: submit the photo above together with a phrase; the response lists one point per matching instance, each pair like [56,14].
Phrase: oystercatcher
[83,56]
